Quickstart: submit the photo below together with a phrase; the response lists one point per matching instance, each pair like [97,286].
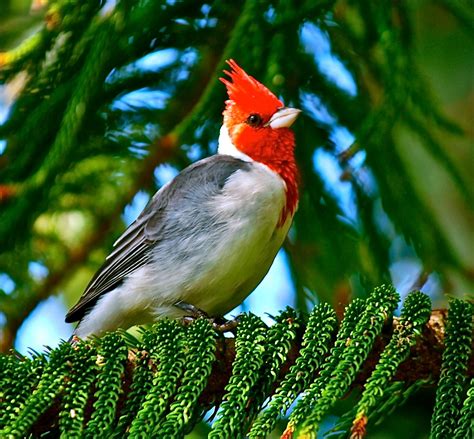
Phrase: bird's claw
[194,312]
[187,320]
[218,323]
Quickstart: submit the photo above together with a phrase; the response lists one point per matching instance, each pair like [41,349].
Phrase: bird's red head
[258,125]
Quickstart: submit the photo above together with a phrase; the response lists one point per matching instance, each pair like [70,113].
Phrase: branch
[424,362]
[165,382]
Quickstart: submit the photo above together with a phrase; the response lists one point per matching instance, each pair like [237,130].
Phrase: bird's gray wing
[132,250]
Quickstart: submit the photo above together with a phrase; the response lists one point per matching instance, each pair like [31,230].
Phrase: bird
[208,237]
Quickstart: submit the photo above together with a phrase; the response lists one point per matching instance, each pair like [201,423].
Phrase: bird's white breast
[250,204]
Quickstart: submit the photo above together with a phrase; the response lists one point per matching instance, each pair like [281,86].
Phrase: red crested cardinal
[206,239]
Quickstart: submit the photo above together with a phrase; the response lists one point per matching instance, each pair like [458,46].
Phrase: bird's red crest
[247,93]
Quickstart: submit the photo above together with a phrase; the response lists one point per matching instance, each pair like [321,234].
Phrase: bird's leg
[193,311]
[220,324]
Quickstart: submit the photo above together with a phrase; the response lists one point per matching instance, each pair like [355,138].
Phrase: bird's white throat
[227,147]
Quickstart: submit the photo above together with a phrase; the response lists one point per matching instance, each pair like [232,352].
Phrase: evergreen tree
[98,98]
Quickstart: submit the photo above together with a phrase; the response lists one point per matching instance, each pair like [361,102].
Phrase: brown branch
[424,362]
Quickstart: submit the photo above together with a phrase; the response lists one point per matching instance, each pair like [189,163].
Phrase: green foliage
[309,411]
[415,313]
[393,397]
[465,426]
[351,316]
[315,345]
[18,378]
[49,387]
[200,355]
[111,363]
[453,381]
[279,340]
[169,371]
[141,385]
[167,349]
[77,392]
[76,131]
[249,353]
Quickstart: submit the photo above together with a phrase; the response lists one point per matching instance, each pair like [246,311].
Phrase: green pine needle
[19,377]
[174,363]
[200,355]
[78,390]
[280,338]
[316,342]
[393,397]
[249,352]
[458,342]
[465,426]
[351,316]
[111,363]
[378,307]
[167,350]
[141,385]
[415,313]
[49,387]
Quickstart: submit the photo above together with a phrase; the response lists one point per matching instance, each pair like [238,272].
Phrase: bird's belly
[236,271]
[221,264]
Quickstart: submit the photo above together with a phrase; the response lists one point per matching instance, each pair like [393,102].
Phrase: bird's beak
[283,118]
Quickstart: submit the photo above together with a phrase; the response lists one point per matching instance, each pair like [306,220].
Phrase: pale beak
[283,118]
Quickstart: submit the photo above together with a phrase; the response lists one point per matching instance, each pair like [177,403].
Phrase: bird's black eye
[254,120]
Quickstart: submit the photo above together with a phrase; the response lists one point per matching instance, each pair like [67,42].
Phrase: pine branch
[450,392]
[423,363]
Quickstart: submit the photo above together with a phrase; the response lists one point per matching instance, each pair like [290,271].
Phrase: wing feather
[124,260]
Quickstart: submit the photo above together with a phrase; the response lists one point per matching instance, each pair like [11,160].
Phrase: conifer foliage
[103,95]
[158,389]
[105,92]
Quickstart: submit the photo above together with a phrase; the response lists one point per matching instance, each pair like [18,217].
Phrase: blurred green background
[102,102]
